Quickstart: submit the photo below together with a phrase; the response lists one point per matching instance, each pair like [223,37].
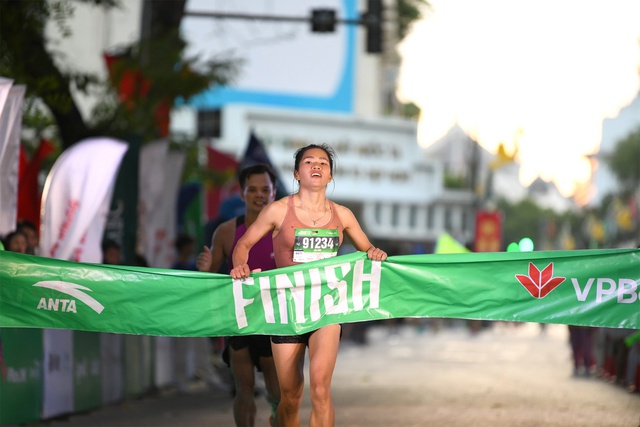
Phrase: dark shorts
[295,339]
[258,345]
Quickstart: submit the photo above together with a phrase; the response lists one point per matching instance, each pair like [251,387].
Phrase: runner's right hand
[241,271]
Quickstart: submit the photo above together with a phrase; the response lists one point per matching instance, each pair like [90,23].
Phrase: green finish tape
[589,287]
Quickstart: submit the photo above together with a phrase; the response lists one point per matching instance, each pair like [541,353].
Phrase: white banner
[11,99]
[150,189]
[163,361]
[111,349]
[58,372]
[167,215]
[76,198]
[5,88]
[160,176]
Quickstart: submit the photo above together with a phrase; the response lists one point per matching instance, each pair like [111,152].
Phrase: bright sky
[550,69]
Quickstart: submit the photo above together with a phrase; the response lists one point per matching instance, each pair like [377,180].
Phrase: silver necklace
[315,221]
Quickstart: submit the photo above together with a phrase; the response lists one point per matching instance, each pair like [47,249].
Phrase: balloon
[513,247]
[526,244]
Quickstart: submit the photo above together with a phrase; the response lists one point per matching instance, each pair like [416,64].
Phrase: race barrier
[47,373]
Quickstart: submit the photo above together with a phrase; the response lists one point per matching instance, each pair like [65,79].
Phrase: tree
[526,219]
[408,12]
[624,162]
[172,76]
[25,58]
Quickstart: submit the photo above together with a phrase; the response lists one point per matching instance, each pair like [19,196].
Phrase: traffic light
[372,20]
[323,20]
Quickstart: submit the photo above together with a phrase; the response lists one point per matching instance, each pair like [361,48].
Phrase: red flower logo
[540,283]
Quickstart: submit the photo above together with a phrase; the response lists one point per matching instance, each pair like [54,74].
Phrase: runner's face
[258,192]
[314,168]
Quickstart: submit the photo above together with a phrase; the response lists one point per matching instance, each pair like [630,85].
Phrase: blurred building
[547,196]
[462,158]
[613,131]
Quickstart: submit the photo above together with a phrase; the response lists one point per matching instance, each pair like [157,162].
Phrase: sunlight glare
[553,70]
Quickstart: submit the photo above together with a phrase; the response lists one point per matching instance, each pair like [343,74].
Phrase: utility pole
[322,20]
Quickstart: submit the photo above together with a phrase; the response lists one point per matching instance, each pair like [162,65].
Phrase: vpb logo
[539,283]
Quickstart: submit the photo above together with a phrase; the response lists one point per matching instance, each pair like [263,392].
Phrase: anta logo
[539,283]
[67,305]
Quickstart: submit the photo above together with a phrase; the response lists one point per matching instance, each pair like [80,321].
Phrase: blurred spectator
[582,349]
[16,241]
[613,353]
[140,261]
[33,241]
[632,379]
[185,251]
[111,252]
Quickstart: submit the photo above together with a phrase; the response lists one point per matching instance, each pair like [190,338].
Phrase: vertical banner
[11,99]
[58,372]
[111,355]
[160,176]
[87,371]
[488,236]
[163,375]
[166,211]
[151,189]
[76,199]
[146,371]
[122,221]
[20,375]
[137,365]
[132,358]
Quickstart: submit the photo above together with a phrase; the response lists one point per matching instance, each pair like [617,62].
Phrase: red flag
[29,195]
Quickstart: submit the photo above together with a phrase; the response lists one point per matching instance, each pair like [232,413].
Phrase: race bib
[312,244]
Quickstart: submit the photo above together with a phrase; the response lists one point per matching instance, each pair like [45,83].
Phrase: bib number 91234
[311,244]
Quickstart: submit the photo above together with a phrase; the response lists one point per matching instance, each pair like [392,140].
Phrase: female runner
[288,219]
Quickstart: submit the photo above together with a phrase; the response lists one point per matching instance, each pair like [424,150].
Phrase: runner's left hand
[376,254]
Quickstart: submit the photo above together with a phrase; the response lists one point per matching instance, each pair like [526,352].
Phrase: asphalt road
[503,376]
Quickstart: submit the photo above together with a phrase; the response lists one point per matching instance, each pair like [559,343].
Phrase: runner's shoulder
[226,228]
[343,211]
